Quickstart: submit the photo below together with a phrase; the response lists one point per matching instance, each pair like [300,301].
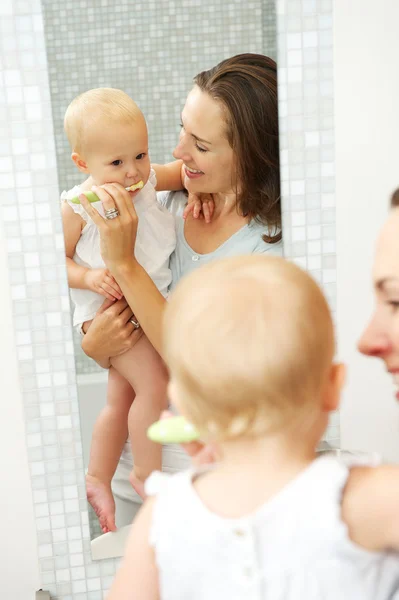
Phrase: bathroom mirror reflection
[152,51]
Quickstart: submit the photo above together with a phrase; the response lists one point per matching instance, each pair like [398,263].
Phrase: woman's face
[381,338]
[203,146]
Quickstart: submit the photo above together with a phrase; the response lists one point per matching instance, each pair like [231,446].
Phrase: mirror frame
[32,224]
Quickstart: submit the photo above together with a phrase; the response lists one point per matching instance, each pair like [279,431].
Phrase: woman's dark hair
[395,199]
[246,85]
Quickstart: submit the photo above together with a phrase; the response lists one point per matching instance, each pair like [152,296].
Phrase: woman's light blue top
[247,240]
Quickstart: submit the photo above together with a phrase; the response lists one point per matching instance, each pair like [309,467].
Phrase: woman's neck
[225,204]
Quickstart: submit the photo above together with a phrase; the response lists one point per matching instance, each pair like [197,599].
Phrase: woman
[229,148]
[381,338]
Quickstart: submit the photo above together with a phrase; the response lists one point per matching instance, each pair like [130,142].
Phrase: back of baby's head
[96,108]
[249,342]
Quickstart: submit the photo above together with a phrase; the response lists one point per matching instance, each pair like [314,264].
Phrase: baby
[107,133]
[257,378]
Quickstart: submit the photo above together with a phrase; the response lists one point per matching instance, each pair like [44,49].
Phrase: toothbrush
[92,197]
[175,430]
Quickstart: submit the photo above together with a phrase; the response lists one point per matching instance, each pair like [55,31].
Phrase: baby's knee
[154,387]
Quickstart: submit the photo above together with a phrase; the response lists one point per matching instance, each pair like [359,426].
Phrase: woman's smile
[192,173]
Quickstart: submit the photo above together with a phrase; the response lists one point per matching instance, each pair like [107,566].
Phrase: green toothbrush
[175,430]
[92,197]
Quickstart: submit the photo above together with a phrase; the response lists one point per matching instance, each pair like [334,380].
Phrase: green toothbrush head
[174,430]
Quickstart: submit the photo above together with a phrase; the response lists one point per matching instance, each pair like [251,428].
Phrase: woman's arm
[137,579]
[118,238]
[144,298]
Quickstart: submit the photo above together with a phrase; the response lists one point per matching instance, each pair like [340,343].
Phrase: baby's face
[118,153]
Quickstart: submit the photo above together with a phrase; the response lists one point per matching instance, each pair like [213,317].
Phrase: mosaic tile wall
[30,217]
[306,121]
[30,220]
[155,65]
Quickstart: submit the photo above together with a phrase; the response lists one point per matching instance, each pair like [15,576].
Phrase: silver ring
[111,213]
[111,210]
[135,323]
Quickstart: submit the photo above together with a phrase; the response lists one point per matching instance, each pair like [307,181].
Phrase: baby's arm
[137,578]
[170,176]
[72,225]
[370,507]
[97,280]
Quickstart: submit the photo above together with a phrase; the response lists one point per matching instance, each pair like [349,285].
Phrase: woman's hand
[110,333]
[117,236]
[200,206]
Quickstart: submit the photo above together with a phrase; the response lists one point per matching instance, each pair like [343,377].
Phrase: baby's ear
[341,374]
[335,384]
[79,162]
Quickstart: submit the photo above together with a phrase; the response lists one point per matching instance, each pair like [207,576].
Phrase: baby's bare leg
[110,430]
[143,368]
[109,435]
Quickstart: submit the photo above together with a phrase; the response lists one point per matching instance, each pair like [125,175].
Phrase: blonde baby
[249,342]
[108,136]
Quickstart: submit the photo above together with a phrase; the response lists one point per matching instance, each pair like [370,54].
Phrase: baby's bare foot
[99,494]
[137,485]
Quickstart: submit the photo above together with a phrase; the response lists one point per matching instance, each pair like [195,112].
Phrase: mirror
[152,51]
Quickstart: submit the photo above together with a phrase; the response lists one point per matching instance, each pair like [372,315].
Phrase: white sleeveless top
[155,242]
[294,547]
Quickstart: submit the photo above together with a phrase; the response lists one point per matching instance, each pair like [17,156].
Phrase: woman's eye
[141,156]
[116,163]
[394,304]
[201,149]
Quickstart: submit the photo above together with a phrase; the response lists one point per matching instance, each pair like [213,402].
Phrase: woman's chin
[195,186]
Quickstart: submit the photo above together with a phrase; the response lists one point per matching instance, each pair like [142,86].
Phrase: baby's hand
[201,206]
[102,282]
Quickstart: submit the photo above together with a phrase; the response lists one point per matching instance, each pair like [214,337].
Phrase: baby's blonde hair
[94,107]
[249,342]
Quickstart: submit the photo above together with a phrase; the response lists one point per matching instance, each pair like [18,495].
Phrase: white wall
[19,566]
[366,47]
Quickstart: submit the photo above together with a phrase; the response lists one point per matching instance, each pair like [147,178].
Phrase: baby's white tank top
[155,242]
[294,547]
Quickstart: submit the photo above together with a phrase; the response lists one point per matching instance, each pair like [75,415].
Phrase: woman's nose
[374,341]
[180,152]
[177,152]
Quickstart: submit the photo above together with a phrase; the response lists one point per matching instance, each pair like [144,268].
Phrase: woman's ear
[79,162]
[335,383]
